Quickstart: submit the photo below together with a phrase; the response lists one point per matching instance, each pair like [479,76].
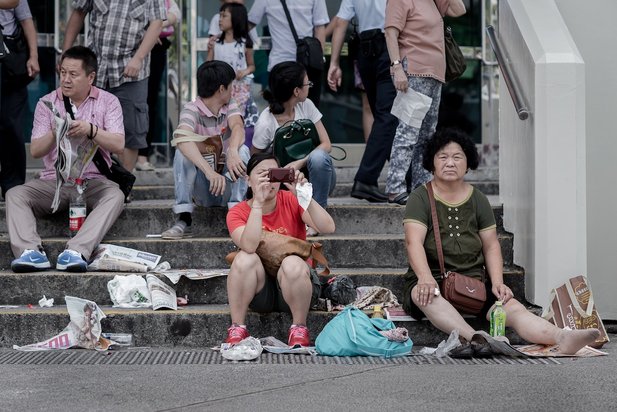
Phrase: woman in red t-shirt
[296,284]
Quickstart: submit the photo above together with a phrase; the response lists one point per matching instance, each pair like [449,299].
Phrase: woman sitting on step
[469,242]
[296,285]
[288,100]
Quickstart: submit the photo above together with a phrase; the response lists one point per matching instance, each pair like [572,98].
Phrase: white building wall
[542,159]
[593,28]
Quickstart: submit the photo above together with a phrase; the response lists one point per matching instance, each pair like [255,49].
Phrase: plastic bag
[444,347]
[340,290]
[247,349]
[129,292]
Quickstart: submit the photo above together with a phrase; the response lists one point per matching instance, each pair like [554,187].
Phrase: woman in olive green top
[469,237]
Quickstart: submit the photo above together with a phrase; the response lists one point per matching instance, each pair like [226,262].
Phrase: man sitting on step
[203,173]
[98,118]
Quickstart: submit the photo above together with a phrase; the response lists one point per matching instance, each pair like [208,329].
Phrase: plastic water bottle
[77,208]
[377,312]
[498,320]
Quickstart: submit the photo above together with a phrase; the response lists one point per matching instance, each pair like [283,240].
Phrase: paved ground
[573,385]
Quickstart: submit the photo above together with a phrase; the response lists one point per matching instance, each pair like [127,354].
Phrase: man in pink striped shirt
[212,113]
[98,121]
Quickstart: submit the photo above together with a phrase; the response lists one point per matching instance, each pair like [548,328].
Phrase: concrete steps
[368,246]
[140,218]
[347,251]
[195,325]
[28,288]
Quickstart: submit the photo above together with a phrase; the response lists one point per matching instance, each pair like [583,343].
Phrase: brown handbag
[274,247]
[465,293]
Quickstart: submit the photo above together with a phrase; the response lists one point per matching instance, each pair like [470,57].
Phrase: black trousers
[158,61]
[374,67]
[315,76]
[12,148]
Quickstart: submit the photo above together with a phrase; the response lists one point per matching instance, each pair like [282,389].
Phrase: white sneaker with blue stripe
[71,261]
[30,261]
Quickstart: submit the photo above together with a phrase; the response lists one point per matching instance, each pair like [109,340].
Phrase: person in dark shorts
[296,286]
[470,246]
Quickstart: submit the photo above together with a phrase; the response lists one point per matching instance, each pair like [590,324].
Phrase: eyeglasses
[309,84]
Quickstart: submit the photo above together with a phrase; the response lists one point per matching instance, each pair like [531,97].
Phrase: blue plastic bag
[352,333]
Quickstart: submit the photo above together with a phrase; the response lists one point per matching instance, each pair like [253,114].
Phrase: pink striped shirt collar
[94,93]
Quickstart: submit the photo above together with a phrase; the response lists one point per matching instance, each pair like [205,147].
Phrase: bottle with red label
[77,208]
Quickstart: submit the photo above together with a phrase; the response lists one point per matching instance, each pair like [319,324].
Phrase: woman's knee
[293,269]
[319,158]
[244,263]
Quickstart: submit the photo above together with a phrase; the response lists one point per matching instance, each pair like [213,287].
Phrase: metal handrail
[515,94]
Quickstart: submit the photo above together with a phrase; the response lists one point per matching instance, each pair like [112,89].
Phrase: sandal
[400,199]
[178,231]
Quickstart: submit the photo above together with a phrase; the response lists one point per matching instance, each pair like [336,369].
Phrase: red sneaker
[236,333]
[299,335]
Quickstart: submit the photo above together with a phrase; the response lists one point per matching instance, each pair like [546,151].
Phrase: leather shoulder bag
[274,247]
[465,293]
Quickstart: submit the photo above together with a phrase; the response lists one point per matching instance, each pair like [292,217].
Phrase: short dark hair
[86,55]
[212,75]
[441,139]
[256,159]
[284,78]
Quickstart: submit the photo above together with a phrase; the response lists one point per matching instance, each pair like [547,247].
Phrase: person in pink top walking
[98,121]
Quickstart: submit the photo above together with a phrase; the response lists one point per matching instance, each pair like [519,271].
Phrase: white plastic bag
[411,107]
[247,349]
[129,292]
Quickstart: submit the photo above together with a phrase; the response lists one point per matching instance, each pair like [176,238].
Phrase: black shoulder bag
[308,49]
[16,55]
[117,173]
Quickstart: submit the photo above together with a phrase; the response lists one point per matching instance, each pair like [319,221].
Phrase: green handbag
[294,141]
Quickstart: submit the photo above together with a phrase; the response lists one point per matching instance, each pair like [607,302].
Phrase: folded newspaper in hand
[73,155]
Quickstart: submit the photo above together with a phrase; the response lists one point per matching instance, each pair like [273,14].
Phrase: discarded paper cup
[122,339]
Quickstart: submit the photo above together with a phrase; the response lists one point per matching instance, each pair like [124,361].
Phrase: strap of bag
[318,257]
[431,198]
[291,23]
[98,159]
[182,136]
[575,302]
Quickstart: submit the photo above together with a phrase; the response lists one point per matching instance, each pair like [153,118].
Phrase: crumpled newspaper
[84,329]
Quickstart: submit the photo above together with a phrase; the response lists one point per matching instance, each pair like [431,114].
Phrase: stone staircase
[368,246]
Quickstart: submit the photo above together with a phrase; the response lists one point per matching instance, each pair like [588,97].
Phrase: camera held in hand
[283,175]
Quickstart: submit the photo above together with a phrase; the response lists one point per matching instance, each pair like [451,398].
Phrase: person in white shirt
[288,100]
[309,17]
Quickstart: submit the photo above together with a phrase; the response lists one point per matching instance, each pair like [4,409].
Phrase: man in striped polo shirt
[196,179]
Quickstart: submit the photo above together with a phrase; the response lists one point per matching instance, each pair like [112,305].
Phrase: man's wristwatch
[394,63]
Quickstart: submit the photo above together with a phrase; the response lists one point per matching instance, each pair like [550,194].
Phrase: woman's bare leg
[295,282]
[246,278]
[535,329]
[444,317]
